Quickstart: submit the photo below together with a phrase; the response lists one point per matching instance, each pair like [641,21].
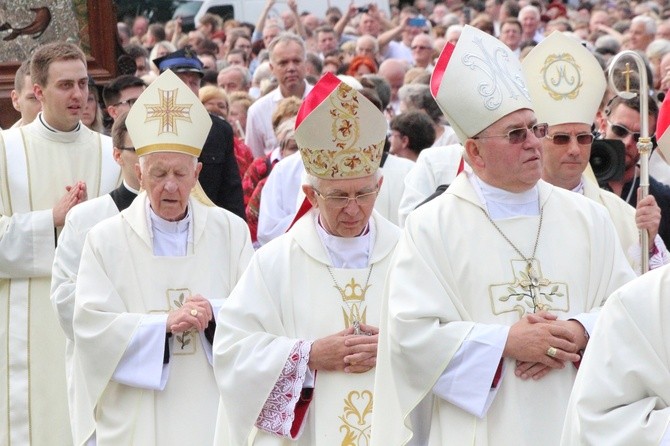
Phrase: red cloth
[243,156]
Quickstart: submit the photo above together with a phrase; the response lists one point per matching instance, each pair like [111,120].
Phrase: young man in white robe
[570,109]
[622,391]
[149,281]
[46,168]
[296,343]
[78,222]
[496,283]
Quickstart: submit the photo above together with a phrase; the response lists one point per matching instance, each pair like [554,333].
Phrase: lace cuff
[278,411]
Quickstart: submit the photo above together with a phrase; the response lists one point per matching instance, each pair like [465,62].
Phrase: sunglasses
[621,132]
[562,139]
[517,136]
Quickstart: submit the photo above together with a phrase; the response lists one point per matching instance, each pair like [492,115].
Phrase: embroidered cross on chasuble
[184,342]
[529,291]
[355,416]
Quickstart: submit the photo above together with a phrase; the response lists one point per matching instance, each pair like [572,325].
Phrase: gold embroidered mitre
[339,132]
[168,117]
[565,81]
[477,82]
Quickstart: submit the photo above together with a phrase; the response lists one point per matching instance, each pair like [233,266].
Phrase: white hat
[477,82]
[565,80]
[168,117]
[339,132]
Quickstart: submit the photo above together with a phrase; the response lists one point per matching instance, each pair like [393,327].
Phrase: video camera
[608,160]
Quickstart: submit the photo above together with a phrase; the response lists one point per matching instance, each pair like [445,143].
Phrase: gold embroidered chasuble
[287,294]
[452,269]
[120,281]
[36,164]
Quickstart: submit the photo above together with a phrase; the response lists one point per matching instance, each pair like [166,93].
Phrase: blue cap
[181,61]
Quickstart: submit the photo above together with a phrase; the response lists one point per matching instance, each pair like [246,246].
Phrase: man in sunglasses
[121,93]
[496,283]
[567,145]
[622,121]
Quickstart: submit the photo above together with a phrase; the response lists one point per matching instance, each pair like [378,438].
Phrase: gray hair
[243,71]
[529,8]
[286,37]
[648,22]
[658,48]
[314,181]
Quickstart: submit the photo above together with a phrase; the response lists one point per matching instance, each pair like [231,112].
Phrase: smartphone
[418,22]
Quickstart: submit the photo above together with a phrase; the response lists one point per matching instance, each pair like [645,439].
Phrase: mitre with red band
[339,132]
[477,82]
[168,117]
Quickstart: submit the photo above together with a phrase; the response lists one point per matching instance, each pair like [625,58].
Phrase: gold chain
[356,323]
[537,237]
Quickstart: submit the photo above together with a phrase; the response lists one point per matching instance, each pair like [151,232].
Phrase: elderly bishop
[496,283]
[296,347]
[149,281]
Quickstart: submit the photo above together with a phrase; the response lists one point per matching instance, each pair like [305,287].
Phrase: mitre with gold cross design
[565,81]
[168,117]
[339,132]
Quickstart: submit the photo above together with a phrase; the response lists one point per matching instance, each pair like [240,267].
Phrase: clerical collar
[579,188]
[48,127]
[170,238]
[501,203]
[135,191]
[347,252]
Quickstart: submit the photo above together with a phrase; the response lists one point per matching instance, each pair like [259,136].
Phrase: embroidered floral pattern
[278,411]
[349,160]
[357,418]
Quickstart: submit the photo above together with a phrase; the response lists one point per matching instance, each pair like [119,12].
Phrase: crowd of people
[361,228]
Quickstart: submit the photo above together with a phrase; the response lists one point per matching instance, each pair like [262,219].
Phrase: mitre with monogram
[565,81]
[339,132]
[477,82]
[168,117]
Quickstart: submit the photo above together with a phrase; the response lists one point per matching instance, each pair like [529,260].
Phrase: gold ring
[194,312]
[551,351]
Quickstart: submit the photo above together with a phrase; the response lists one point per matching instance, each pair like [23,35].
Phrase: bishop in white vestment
[148,284]
[496,283]
[297,339]
[38,163]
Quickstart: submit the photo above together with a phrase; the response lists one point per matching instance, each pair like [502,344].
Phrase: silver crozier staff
[644,144]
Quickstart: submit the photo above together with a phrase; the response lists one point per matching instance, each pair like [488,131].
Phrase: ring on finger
[194,312]
[551,351]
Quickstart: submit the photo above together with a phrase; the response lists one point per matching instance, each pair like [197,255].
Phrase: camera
[608,160]
[362,9]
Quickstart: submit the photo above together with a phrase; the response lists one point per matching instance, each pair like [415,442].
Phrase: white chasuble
[288,294]
[622,392]
[36,164]
[452,270]
[120,281]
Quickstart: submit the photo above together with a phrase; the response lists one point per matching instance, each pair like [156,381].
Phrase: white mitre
[565,81]
[477,82]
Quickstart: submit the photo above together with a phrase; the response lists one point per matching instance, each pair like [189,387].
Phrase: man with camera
[567,146]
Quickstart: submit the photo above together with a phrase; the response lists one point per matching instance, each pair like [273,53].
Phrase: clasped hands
[345,351]
[195,313]
[530,339]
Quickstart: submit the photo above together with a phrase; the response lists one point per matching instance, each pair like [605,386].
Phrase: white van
[249,10]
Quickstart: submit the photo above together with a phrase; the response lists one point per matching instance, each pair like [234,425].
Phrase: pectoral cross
[529,292]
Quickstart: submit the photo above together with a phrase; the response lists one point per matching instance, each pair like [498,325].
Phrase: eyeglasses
[128,102]
[517,136]
[419,47]
[621,132]
[130,149]
[341,201]
[562,139]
